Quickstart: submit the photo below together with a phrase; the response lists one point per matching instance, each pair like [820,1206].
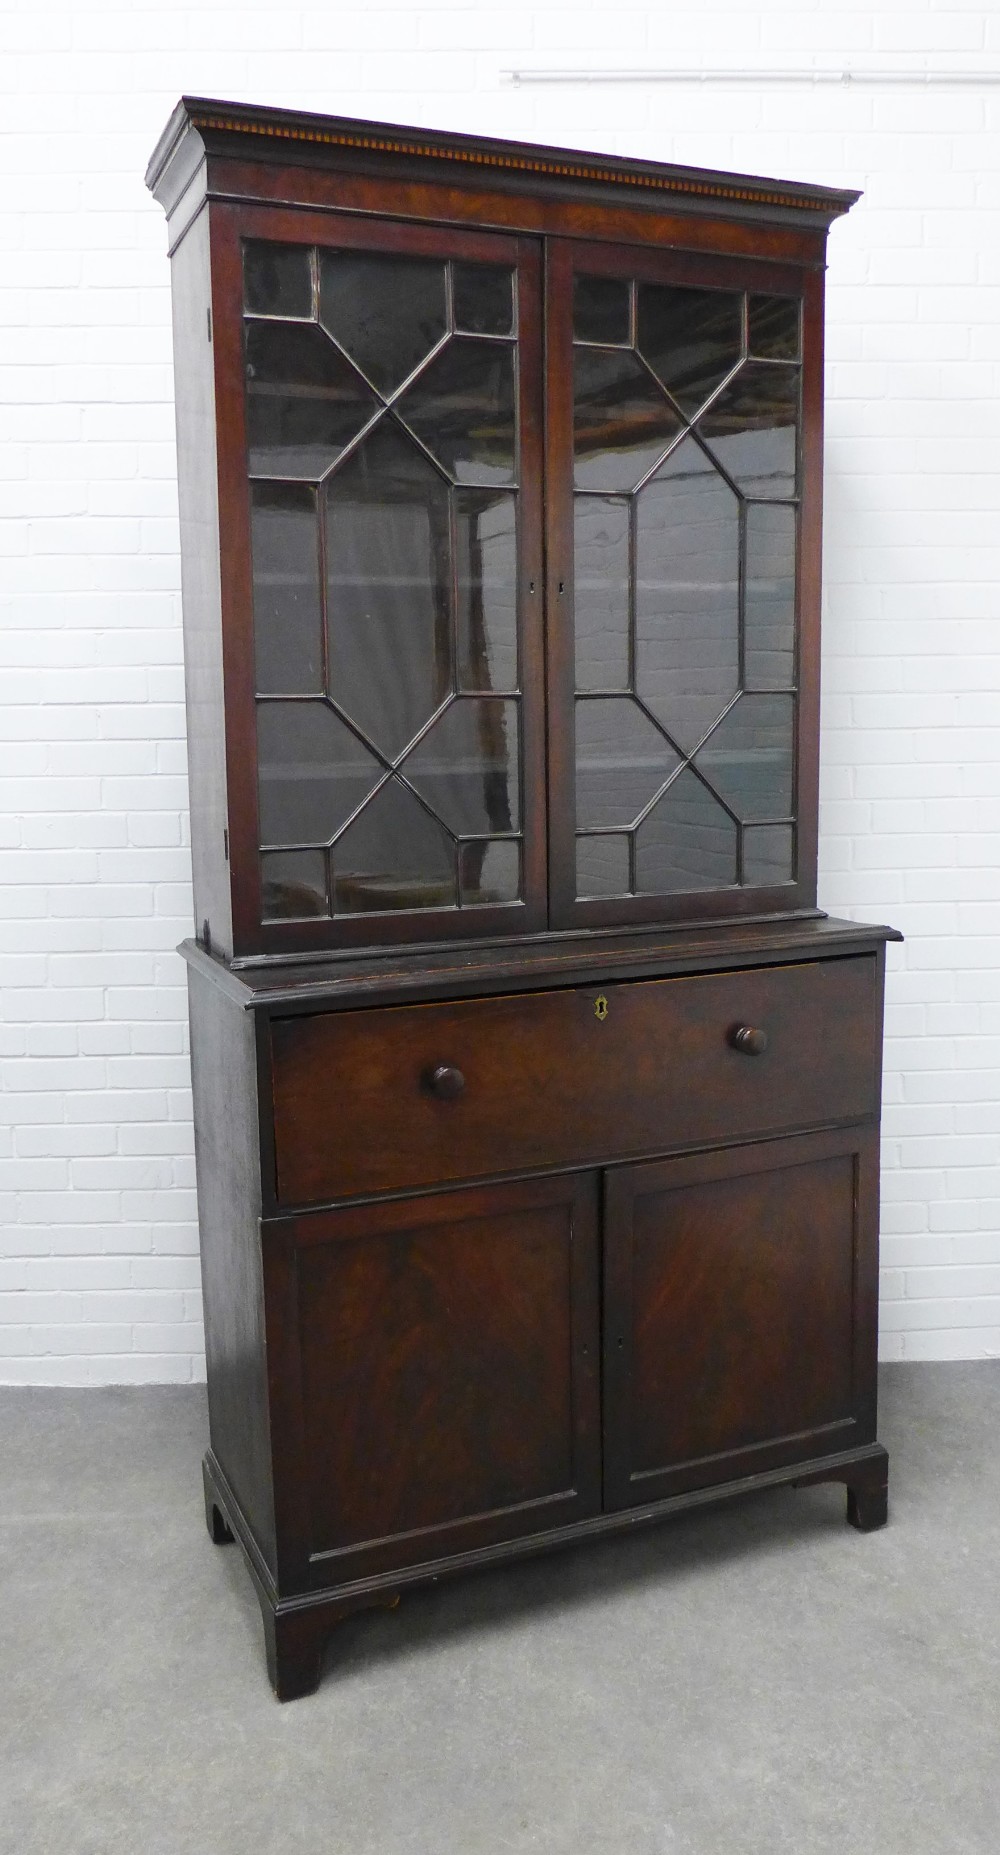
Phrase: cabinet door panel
[380,413]
[446,1352]
[682,498]
[741,1307]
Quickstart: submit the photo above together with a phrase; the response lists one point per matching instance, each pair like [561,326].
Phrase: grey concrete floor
[755,1678]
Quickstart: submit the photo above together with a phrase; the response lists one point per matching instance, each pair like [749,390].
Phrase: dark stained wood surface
[731,1311]
[280,137]
[343,981]
[549,1082]
[224,1082]
[447,1354]
[201,584]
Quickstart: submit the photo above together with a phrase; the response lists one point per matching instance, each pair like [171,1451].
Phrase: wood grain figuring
[548,1084]
[730,1302]
[448,1360]
[735,1336]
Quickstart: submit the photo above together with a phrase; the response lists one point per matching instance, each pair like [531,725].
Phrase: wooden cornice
[229,127]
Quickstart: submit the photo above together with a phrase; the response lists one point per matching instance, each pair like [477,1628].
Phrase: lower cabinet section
[465,1376]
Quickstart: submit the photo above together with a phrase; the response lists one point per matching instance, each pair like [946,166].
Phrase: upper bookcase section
[225,149]
[500,481]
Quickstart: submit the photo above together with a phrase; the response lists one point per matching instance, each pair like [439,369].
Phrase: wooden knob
[445,1081]
[751,1042]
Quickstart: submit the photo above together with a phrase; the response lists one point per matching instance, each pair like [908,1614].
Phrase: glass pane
[602,866]
[490,872]
[467,767]
[687,594]
[386,312]
[486,578]
[600,593]
[287,607]
[312,772]
[774,327]
[393,856]
[304,403]
[388,572]
[622,422]
[768,854]
[621,761]
[600,309]
[484,298]
[749,758]
[687,842]
[462,408]
[770,596]
[293,884]
[277,279]
[691,338]
[752,428]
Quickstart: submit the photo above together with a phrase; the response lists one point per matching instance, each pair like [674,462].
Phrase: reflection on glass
[621,761]
[602,867]
[483,298]
[490,871]
[394,855]
[600,309]
[388,580]
[462,409]
[312,772]
[774,327]
[468,766]
[687,842]
[277,279]
[770,596]
[751,428]
[293,884]
[486,583]
[622,422]
[287,608]
[600,592]
[687,594]
[768,854]
[386,312]
[749,757]
[304,402]
[691,338]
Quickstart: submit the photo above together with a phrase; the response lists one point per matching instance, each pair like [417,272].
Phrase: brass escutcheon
[600,1007]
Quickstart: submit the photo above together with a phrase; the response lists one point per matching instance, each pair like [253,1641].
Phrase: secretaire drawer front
[419,1095]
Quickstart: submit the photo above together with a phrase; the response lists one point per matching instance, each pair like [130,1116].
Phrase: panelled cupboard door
[445,1351]
[740,1299]
[380,407]
[683,428]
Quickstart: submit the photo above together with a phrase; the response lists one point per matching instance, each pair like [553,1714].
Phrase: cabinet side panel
[198,500]
[223,1067]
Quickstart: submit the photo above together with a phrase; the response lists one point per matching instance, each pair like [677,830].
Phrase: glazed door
[380,459]
[439,1371]
[683,406]
[740,1298]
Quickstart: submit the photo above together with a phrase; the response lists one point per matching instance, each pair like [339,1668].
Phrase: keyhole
[600,1008]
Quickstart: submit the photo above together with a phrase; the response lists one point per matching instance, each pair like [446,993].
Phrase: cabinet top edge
[550,960]
[272,133]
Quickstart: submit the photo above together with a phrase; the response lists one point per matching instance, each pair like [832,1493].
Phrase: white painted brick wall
[100,1277]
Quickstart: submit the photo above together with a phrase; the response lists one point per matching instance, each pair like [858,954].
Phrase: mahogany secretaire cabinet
[536,1101]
